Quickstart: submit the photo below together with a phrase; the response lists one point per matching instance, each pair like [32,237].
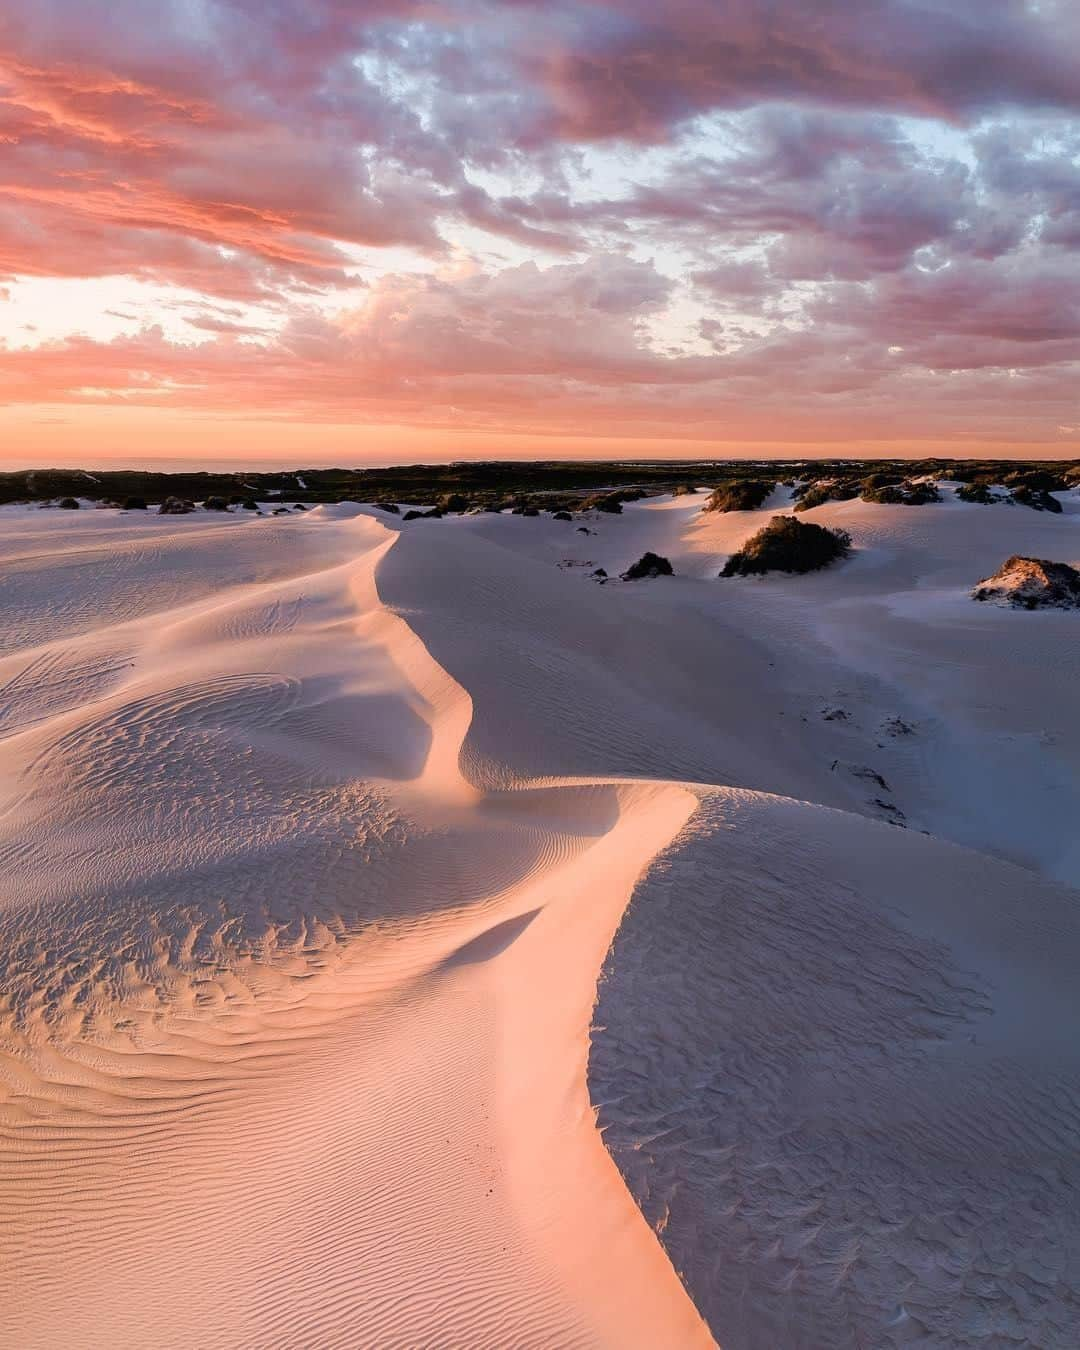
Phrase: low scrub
[611,502]
[788,545]
[822,490]
[978,491]
[1031,583]
[740,494]
[903,493]
[648,565]
[1037,498]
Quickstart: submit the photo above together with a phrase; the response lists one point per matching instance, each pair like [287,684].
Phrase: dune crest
[274,1017]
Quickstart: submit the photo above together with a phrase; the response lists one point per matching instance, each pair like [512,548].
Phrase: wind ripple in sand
[848,1100]
[834,1060]
[296,1013]
[274,1066]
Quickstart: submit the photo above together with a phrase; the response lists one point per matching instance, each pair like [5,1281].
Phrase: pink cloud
[245,152]
[562,351]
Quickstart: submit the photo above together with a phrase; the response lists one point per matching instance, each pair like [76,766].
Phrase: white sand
[315,834]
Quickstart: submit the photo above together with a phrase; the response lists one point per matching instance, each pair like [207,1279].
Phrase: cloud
[567,350]
[853,207]
[635,70]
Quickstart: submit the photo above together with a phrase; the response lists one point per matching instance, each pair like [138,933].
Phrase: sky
[376,231]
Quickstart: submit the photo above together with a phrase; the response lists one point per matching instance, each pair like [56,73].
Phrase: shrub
[824,490]
[648,565]
[788,545]
[874,481]
[134,503]
[683,490]
[902,493]
[561,515]
[68,504]
[175,506]
[977,491]
[215,504]
[740,494]
[610,502]
[1036,498]
[1032,583]
[1039,480]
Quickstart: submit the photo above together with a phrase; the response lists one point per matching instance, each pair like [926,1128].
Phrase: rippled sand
[316,834]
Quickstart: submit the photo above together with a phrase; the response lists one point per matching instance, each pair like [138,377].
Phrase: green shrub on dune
[825,490]
[788,545]
[901,492]
[648,565]
[740,494]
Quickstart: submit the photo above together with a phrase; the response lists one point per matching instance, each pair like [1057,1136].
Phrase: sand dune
[316,834]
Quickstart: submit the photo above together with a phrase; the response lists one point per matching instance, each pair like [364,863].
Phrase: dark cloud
[635,69]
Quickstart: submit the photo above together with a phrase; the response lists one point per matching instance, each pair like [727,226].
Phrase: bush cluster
[740,494]
[788,545]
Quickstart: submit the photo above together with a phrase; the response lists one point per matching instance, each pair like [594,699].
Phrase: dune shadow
[492,942]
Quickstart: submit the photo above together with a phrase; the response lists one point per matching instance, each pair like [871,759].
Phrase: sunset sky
[372,230]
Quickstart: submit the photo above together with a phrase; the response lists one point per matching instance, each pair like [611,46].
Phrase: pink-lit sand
[316,834]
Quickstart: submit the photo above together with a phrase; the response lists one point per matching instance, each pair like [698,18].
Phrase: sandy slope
[315,834]
[282,1060]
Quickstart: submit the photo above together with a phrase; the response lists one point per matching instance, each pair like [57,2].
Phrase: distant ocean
[192,464]
[256,463]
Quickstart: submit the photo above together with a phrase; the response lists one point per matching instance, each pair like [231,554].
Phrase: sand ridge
[267,1027]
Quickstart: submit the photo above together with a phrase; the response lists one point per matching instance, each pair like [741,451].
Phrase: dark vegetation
[1024,487]
[740,494]
[1037,498]
[978,491]
[1032,583]
[788,545]
[818,491]
[543,485]
[648,565]
[886,487]
[904,493]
